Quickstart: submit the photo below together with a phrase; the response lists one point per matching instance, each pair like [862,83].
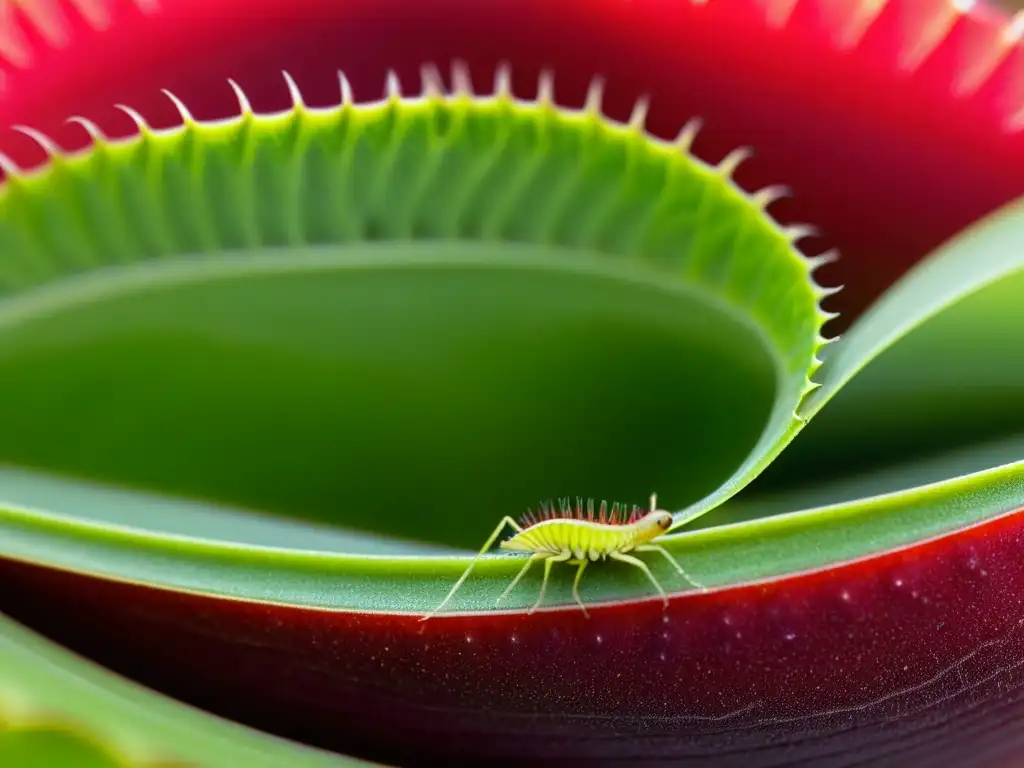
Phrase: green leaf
[982,256]
[940,369]
[58,709]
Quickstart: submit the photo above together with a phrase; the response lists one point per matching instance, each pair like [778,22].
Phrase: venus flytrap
[260,291]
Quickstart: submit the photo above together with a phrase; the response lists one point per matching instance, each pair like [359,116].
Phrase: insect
[572,534]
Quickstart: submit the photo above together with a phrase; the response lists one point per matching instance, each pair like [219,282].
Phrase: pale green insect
[576,535]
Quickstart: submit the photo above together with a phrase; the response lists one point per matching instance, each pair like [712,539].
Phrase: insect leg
[490,542]
[675,564]
[551,560]
[643,567]
[526,566]
[576,587]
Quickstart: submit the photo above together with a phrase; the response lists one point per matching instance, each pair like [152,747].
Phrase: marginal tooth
[780,13]
[462,83]
[14,47]
[137,118]
[981,66]
[244,107]
[186,116]
[392,86]
[638,118]
[824,292]
[731,161]
[856,26]
[293,91]
[546,88]
[48,145]
[346,90]
[825,315]
[45,18]
[768,195]
[97,12]
[431,81]
[828,257]
[686,137]
[1014,31]
[798,232]
[933,32]
[503,81]
[94,131]
[10,168]
[810,387]
[594,104]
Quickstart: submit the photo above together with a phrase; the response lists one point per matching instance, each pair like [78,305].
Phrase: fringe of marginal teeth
[433,88]
[564,509]
[54,24]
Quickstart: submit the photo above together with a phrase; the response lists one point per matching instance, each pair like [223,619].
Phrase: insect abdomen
[581,538]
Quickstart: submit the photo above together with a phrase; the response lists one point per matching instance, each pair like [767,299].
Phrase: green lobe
[510,301]
[58,709]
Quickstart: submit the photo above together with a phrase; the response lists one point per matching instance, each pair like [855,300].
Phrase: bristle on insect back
[565,509]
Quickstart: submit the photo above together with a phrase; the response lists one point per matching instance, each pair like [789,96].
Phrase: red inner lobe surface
[862,661]
[891,147]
